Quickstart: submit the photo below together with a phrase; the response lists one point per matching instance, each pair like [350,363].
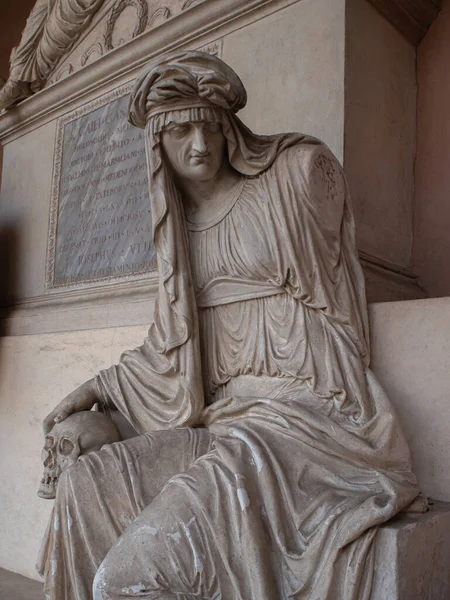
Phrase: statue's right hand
[83,398]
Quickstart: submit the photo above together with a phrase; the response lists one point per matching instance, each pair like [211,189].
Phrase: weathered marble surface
[252,387]
[52,364]
[412,557]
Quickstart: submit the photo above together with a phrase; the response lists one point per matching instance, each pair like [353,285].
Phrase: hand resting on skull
[80,433]
[83,398]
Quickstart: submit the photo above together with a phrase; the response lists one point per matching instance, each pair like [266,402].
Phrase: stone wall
[380,133]
[432,206]
[37,371]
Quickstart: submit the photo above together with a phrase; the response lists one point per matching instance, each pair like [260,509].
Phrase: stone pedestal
[412,557]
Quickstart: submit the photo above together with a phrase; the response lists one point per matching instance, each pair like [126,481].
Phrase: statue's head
[185,102]
[80,433]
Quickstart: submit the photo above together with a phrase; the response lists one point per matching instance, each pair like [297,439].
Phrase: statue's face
[195,150]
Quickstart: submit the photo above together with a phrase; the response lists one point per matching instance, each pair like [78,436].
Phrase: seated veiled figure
[268,453]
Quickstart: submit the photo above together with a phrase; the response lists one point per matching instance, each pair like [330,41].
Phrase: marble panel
[100,224]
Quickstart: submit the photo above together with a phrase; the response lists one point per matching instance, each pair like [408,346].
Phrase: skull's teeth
[49,480]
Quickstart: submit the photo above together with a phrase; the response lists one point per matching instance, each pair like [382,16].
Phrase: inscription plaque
[100,221]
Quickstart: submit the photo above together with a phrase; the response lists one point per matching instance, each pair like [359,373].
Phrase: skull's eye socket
[49,442]
[66,446]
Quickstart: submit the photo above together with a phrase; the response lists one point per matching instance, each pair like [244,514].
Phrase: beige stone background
[332,68]
[431,254]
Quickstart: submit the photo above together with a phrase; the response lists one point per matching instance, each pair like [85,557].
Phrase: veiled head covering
[184,80]
[202,86]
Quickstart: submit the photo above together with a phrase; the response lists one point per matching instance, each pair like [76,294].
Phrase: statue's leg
[98,498]
[172,550]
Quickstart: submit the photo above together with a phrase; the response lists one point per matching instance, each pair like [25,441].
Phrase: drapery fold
[51,29]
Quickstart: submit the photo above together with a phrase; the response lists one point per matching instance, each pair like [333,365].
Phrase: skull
[80,433]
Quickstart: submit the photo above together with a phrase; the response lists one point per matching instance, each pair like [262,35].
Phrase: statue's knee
[100,584]
[107,585]
[114,578]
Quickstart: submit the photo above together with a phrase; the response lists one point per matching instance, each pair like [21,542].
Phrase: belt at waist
[225,290]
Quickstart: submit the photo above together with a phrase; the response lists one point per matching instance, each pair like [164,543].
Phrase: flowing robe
[277,491]
[52,27]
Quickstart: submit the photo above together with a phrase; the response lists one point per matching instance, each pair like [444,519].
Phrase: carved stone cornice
[388,282]
[411,17]
[203,22]
[123,292]
[126,303]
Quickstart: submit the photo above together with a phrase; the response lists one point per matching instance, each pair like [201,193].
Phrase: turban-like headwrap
[185,80]
[190,86]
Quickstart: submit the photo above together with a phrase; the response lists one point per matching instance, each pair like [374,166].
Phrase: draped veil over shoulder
[280,453]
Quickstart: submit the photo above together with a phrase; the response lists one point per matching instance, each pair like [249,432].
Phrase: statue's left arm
[315,238]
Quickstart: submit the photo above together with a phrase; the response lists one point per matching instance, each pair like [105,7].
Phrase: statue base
[412,556]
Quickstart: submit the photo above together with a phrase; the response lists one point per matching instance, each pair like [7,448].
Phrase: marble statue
[51,29]
[268,453]
[81,433]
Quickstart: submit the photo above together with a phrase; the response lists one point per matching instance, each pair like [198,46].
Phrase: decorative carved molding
[125,303]
[142,16]
[64,72]
[50,32]
[190,3]
[187,29]
[160,14]
[411,17]
[124,291]
[96,48]
[215,48]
